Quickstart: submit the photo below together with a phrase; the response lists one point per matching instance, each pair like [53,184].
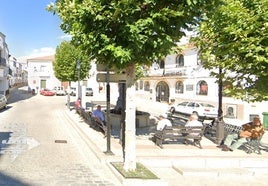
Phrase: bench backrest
[179,131]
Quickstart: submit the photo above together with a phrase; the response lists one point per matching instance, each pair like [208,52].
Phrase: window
[42,68]
[160,63]
[189,87]
[180,61]
[179,87]
[147,86]
[202,88]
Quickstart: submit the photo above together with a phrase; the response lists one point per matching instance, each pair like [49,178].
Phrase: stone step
[219,172]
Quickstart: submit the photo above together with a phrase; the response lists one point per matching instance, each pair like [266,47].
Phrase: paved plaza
[52,145]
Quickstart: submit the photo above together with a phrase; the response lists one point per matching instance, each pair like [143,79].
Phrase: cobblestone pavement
[38,160]
[40,146]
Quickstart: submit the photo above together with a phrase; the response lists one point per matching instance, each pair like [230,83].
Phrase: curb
[184,164]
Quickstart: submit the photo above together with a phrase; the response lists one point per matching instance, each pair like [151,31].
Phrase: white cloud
[44,51]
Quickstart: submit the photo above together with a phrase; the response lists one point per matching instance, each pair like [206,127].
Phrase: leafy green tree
[65,62]
[235,38]
[124,33]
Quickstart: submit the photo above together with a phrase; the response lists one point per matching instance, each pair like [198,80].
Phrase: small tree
[234,37]
[123,33]
[65,62]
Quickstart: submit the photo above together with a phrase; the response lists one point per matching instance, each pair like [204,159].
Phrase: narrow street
[39,145]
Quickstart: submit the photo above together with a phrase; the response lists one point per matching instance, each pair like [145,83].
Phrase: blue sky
[28,27]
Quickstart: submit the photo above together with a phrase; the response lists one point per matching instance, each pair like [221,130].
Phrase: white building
[41,73]
[180,77]
[17,74]
[4,68]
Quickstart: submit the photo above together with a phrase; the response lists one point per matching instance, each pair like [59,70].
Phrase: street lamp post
[220,122]
[78,67]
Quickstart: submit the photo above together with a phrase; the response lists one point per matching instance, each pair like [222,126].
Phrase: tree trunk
[130,130]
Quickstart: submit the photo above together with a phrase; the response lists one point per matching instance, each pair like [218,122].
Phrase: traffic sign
[114,78]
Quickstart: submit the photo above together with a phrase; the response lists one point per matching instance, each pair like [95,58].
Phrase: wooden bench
[92,121]
[251,146]
[176,133]
[98,125]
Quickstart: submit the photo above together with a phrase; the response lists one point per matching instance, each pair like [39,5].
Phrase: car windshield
[182,104]
[206,105]
[89,88]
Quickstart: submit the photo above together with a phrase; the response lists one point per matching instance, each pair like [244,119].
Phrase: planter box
[142,119]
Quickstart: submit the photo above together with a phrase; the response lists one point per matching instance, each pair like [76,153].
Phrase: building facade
[4,68]
[181,77]
[18,75]
[41,73]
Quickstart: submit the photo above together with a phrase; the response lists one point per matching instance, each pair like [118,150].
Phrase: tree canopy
[127,33]
[123,32]
[234,37]
[65,65]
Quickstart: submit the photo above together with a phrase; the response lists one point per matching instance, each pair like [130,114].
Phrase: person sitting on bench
[163,121]
[251,130]
[193,122]
[99,115]
[78,106]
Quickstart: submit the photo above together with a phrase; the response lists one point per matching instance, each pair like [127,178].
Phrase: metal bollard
[219,131]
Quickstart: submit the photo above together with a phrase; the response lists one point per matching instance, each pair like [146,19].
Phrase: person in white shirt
[193,121]
[163,121]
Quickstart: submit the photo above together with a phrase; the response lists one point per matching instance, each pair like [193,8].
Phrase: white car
[89,91]
[3,101]
[59,91]
[203,110]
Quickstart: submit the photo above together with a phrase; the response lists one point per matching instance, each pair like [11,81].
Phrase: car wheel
[172,110]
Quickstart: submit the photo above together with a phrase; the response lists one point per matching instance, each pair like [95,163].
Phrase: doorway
[43,83]
[162,92]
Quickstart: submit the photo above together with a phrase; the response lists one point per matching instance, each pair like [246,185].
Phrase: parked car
[47,92]
[73,91]
[89,91]
[59,91]
[203,110]
[3,101]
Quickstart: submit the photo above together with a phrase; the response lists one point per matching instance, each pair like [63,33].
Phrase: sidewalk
[179,164]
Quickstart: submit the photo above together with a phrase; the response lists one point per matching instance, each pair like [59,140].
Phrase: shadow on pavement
[8,180]
[18,94]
